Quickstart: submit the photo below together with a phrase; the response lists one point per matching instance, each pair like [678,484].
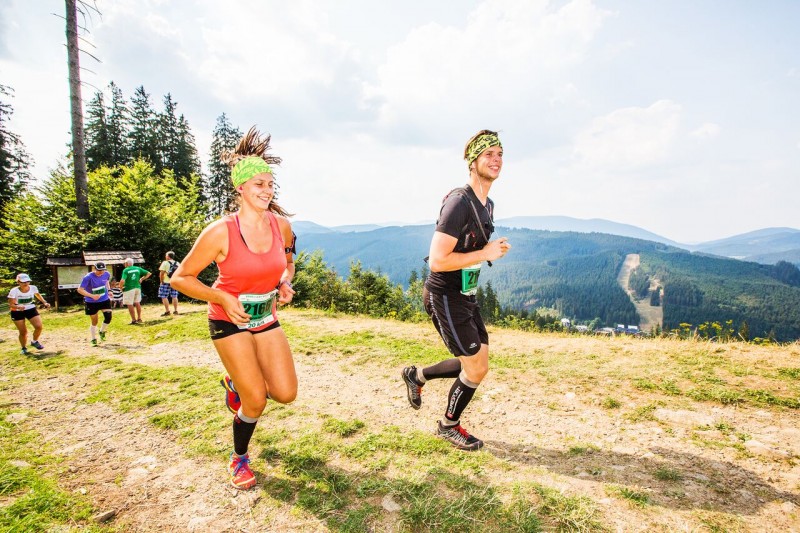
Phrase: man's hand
[497,248]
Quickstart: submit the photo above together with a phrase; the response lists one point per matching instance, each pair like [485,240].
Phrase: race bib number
[259,307]
[24,300]
[99,290]
[469,279]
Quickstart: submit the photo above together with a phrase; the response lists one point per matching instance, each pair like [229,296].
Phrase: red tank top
[246,272]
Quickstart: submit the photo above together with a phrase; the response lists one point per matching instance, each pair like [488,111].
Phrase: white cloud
[509,60]
[707,131]
[629,138]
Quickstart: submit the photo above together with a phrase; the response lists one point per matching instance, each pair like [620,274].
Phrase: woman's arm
[285,290]
[210,246]
[39,297]
[12,304]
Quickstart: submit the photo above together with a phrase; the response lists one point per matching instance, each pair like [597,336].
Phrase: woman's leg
[36,322]
[23,332]
[238,355]
[277,365]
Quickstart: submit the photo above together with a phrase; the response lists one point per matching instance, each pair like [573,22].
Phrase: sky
[680,117]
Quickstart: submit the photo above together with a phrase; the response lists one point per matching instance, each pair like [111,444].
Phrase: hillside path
[141,473]
[649,315]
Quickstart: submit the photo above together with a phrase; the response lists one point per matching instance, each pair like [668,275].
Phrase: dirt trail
[127,466]
[649,315]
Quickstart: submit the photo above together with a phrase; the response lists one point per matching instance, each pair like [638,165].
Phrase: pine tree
[14,160]
[142,138]
[98,151]
[118,123]
[186,163]
[167,133]
[218,187]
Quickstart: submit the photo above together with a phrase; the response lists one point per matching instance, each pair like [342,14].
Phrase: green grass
[634,496]
[611,403]
[336,470]
[30,498]
[665,473]
[339,470]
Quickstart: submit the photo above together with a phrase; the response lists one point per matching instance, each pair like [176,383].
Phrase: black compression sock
[449,368]
[242,432]
[458,399]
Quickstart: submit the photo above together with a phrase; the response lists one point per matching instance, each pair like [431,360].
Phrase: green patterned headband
[247,168]
[481,143]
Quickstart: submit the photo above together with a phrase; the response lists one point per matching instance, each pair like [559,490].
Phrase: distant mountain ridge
[766,246]
[576,273]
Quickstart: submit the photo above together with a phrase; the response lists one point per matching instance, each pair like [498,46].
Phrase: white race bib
[260,307]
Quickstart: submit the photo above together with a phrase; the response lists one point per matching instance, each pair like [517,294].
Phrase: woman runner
[22,302]
[255,273]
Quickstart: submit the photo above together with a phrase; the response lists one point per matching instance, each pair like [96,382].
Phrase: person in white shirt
[22,303]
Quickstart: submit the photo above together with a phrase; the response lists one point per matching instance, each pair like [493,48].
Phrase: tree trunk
[76,107]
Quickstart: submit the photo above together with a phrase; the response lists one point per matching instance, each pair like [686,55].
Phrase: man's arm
[443,258]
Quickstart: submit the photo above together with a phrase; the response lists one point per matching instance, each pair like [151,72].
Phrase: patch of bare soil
[142,475]
[649,315]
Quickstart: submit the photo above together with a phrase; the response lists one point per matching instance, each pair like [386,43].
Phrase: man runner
[459,247]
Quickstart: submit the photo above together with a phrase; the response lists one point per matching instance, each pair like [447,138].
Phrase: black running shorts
[22,315]
[219,329]
[458,320]
[92,308]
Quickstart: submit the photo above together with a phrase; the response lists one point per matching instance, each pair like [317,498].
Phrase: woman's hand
[234,309]
[285,292]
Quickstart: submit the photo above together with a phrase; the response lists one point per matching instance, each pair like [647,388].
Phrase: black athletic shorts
[458,320]
[219,329]
[93,307]
[22,315]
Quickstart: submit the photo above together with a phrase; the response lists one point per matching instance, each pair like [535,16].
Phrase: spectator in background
[165,290]
[132,278]
[116,294]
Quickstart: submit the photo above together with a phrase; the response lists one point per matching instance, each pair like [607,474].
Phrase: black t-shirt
[457,218]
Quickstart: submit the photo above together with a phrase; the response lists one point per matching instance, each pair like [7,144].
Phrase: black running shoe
[413,389]
[458,437]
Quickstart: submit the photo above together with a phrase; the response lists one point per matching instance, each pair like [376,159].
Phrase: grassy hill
[576,273]
[582,433]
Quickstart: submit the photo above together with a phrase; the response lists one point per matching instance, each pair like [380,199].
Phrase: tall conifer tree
[142,138]
[14,160]
[118,125]
[98,151]
[218,187]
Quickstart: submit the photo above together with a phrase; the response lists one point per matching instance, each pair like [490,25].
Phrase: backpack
[173,266]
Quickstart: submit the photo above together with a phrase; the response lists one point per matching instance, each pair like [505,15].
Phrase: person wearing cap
[95,290]
[22,303]
[253,250]
[459,248]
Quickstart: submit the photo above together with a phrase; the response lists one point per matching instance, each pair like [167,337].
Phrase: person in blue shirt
[95,290]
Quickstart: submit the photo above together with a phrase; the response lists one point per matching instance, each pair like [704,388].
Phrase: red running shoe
[239,468]
[232,401]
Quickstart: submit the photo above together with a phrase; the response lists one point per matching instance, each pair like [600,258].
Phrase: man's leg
[93,328]
[138,306]
[131,311]
[106,321]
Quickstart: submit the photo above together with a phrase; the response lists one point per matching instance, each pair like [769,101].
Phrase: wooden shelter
[69,271]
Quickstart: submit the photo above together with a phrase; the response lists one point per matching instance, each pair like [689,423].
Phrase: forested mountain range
[576,273]
[768,245]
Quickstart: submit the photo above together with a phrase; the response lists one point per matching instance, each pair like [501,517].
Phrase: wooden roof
[89,258]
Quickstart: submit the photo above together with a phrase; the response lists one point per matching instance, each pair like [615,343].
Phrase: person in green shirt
[131,281]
